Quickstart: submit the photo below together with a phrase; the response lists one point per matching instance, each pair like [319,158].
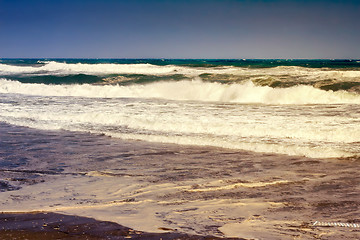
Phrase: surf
[186,90]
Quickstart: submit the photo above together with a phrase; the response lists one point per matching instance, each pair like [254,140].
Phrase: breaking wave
[187,90]
[62,68]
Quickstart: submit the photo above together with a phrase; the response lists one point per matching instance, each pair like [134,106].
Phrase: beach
[180,120]
[248,149]
[34,226]
[166,188]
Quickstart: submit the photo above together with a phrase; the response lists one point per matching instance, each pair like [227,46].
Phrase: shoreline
[150,187]
[50,225]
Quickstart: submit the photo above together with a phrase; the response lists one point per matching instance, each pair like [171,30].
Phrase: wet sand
[39,225]
[211,191]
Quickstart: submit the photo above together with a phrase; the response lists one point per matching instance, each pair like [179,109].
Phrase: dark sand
[42,225]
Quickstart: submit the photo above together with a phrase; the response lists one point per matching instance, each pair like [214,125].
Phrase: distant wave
[54,68]
[189,91]
[59,68]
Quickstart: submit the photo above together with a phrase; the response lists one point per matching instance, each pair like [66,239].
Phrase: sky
[180,29]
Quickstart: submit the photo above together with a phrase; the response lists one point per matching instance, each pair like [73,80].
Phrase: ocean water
[191,145]
[300,107]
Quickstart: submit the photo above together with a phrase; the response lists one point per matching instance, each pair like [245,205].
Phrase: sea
[250,148]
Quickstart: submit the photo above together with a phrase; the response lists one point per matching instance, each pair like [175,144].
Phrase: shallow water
[199,190]
[312,130]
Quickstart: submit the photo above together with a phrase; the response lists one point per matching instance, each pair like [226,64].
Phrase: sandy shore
[168,191]
[48,225]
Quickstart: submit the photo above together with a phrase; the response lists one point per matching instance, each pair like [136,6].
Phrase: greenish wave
[128,79]
[55,79]
[327,85]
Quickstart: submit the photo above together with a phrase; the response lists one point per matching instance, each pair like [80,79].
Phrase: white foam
[59,68]
[207,117]
[284,129]
[190,91]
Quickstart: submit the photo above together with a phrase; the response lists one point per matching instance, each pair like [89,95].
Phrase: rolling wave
[186,90]
[52,72]
[61,68]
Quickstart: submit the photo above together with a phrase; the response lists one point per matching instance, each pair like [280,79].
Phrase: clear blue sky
[180,29]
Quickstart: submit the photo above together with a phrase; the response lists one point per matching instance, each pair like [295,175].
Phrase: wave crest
[195,90]
[62,68]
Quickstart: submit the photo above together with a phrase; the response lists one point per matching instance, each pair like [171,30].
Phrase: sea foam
[189,91]
[61,68]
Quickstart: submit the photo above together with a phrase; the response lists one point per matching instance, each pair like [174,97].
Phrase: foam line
[189,91]
[60,68]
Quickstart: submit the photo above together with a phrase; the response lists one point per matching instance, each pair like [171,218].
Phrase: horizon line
[161,58]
